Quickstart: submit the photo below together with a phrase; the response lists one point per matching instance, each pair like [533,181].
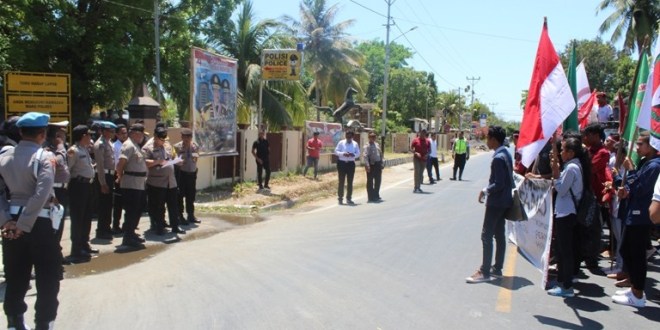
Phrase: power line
[369,9]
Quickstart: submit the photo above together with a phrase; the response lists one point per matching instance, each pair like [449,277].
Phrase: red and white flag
[582,84]
[651,101]
[588,111]
[549,101]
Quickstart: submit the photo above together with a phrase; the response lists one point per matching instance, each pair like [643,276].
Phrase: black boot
[16,322]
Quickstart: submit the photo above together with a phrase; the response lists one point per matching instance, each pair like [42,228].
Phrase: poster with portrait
[329,133]
[213,101]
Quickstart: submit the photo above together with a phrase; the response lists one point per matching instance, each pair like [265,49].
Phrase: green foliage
[632,20]
[374,52]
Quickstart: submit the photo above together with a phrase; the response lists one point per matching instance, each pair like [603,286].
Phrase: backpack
[587,208]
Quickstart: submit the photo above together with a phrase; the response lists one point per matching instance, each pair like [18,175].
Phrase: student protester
[638,190]
[347,151]
[314,146]
[569,185]
[420,148]
[498,193]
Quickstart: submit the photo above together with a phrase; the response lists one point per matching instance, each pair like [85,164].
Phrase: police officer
[80,186]
[55,144]
[132,175]
[161,183]
[105,173]
[28,237]
[120,137]
[460,154]
[187,174]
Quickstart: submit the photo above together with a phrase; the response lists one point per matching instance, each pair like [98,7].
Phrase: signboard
[281,64]
[38,92]
[482,120]
[534,235]
[213,101]
[329,133]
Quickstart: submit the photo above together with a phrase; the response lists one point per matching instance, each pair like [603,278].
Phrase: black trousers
[493,227]
[264,166]
[158,198]
[566,249]
[374,177]
[105,206]
[117,207]
[41,249]
[459,164]
[187,182]
[346,172]
[62,195]
[633,251]
[81,216]
[133,205]
[431,163]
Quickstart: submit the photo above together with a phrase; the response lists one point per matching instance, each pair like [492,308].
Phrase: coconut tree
[632,19]
[329,55]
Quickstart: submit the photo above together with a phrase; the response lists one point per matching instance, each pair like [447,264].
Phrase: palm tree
[245,42]
[632,19]
[329,56]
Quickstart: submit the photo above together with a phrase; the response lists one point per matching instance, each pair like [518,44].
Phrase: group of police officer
[39,173]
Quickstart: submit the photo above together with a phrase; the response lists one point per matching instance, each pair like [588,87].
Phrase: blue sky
[495,41]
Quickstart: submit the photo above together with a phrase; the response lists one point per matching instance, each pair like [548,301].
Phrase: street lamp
[386,76]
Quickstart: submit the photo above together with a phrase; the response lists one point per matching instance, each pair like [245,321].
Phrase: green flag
[635,102]
[571,122]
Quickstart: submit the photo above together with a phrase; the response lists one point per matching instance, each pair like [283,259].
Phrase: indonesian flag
[588,111]
[549,101]
[649,114]
[583,90]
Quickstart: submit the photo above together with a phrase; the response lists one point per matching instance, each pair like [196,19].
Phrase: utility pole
[386,74]
[157,48]
[472,81]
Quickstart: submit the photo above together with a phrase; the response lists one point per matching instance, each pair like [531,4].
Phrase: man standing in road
[499,199]
[28,237]
[347,151]
[460,154]
[373,164]
[261,153]
[432,161]
[420,147]
[314,146]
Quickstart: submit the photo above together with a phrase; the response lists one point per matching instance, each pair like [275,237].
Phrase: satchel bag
[586,209]
[516,212]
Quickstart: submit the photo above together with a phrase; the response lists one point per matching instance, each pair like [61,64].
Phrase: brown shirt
[189,156]
[160,176]
[105,159]
[80,162]
[135,162]
[17,174]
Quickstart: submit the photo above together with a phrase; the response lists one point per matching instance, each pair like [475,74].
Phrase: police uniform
[62,176]
[117,200]
[29,239]
[187,175]
[461,150]
[80,186]
[105,173]
[132,178]
[161,185]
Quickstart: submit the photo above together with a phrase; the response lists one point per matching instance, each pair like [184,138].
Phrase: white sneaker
[478,277]
[630,300]
[621,292]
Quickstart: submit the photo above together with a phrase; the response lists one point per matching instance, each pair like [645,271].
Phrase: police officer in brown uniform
[55,144]
[161,183]
[28,237]
[105,173]
[187,174]
[132,175]
[80,186]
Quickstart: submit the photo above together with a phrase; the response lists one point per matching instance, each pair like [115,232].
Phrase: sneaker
[478,277]
[629,299]
[558,291]
[621,292]
[497,273]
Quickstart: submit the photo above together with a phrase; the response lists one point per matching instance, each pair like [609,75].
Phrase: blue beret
[33,119]
[108,124]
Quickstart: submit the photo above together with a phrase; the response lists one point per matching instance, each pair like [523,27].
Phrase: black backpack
[587,208]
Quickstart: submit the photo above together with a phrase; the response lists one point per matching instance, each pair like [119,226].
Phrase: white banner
[534,235]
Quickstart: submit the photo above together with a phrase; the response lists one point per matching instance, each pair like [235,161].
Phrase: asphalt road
[400,264]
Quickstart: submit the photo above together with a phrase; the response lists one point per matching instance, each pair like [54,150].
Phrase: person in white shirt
[604,110]
[120,136]
[432,160]
[654,209]
[347,151]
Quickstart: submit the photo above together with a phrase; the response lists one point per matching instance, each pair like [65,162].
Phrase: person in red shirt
[314,146]
[420,147]
[593,136]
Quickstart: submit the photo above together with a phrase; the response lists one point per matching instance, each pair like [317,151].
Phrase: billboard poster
[38,92]
[213,101]
[281,64]
[329,133]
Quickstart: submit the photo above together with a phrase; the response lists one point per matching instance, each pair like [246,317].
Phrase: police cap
[161,133]
[33,119]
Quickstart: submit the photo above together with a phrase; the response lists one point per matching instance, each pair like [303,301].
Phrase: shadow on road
[586,323]
[512,282]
